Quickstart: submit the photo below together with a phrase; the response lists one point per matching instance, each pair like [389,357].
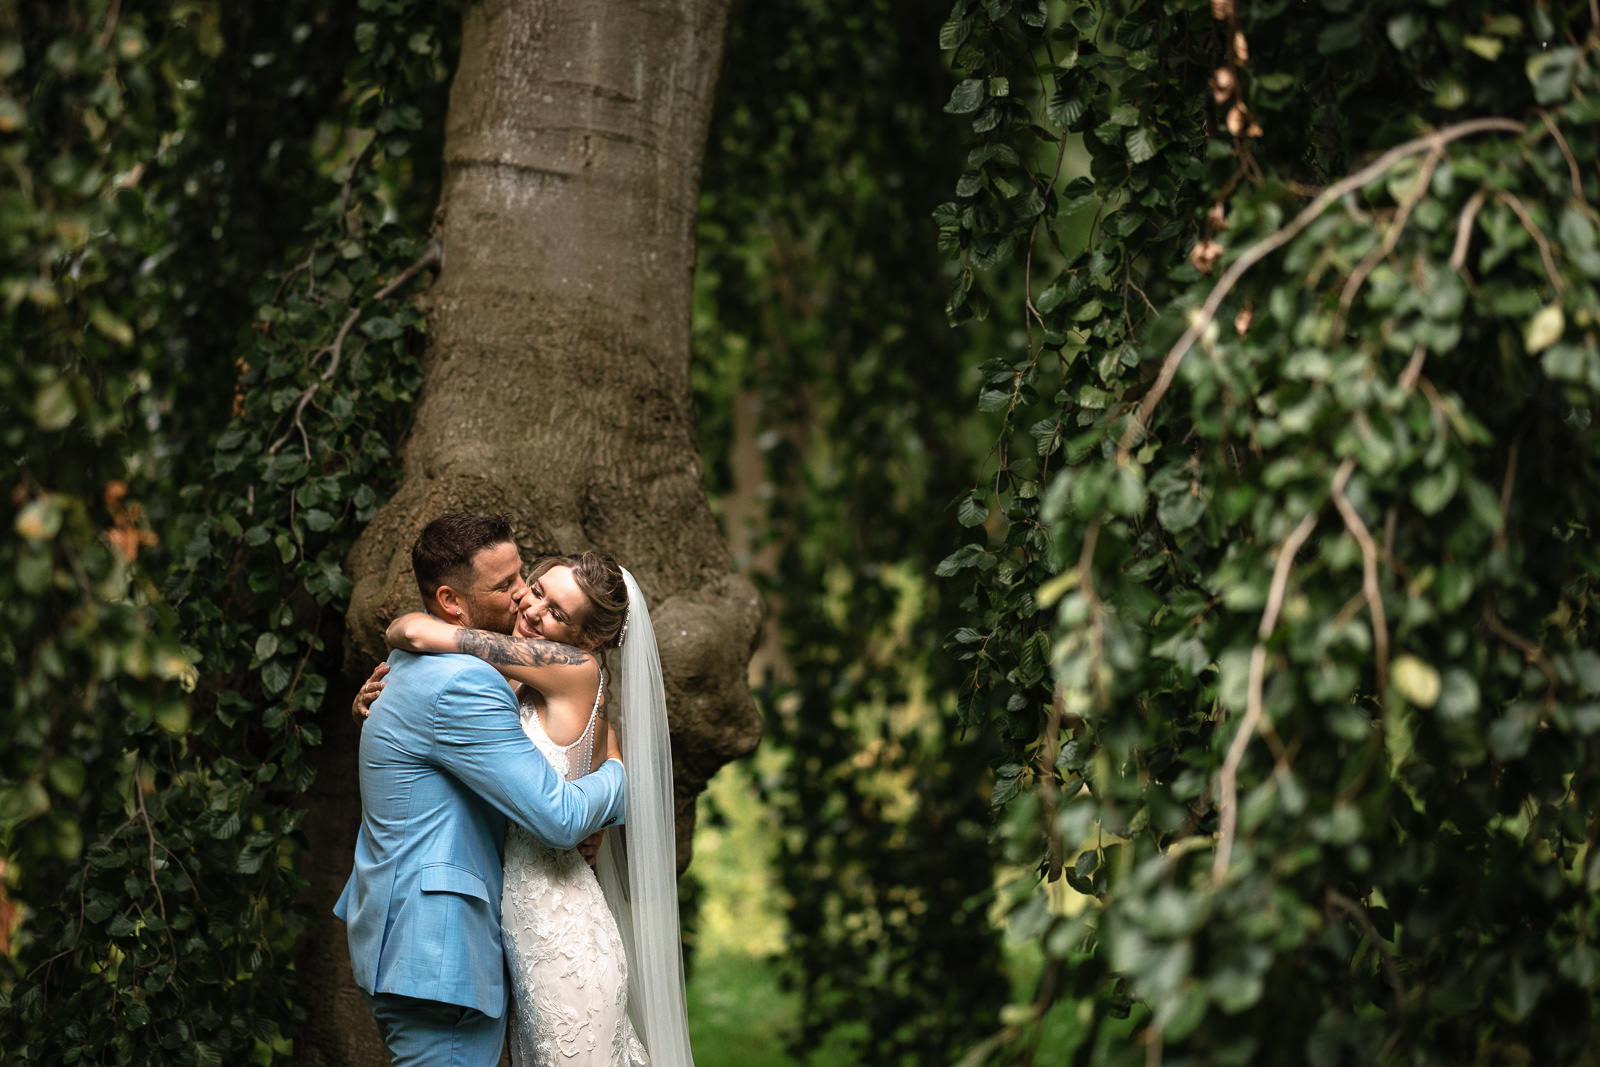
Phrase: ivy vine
[150,797]
[1285,619]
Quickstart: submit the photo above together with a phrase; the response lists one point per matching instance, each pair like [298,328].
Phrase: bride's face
[554,609]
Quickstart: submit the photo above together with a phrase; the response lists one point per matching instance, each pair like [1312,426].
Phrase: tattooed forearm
[504,651]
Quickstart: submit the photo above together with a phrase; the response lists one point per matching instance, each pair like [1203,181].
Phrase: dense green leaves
[169,343]
[1318,556]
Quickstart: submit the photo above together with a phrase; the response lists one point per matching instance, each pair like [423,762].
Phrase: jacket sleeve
[478,738]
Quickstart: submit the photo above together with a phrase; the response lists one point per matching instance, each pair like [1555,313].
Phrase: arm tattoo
[504,651]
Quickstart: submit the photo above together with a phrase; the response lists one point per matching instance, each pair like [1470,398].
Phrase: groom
[444,761]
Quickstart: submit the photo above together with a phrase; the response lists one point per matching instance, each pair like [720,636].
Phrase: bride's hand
[589,847]
[361,707]
[418,631]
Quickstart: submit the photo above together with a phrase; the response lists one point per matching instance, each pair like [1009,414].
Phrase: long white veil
[637,865]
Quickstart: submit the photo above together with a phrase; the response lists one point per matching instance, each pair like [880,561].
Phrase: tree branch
[1521,210]
[150,838]
[433,255]
[1566,150]
[1507,484]
[1265,247]
[1227,781]
[1469,215]
[1390,968]
[1369,580]
[1391,237]
[1413,371]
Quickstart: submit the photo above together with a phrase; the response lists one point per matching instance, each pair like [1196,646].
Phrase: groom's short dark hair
[443,551]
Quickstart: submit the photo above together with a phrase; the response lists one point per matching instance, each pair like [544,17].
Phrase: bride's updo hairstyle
[599,578]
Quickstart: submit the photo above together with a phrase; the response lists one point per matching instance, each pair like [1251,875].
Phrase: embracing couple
[496,705]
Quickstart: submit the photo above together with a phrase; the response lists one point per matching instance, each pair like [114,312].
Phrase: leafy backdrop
[1272,614]
[1280,594]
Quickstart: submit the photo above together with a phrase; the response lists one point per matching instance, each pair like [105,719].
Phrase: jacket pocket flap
[447,878]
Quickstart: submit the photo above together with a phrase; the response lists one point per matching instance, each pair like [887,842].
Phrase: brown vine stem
[432,256]
[1027,271]
[1369,581]
[1390,968]
[1413,371]
[1521,211]
[1153,1041]
[1228,779]
[1566,150]
[110,27]
[1432,142]
[150,836]
[1049,786]
[344,187]
[1391,237]
[1469,215]
[1507,484]
[1086,582]
[1530,651]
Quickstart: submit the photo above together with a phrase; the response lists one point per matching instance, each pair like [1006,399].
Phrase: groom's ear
[451,607]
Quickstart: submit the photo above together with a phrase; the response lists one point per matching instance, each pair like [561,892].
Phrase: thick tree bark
[556,385]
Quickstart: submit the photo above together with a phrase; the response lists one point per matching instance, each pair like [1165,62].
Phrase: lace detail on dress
[569,976]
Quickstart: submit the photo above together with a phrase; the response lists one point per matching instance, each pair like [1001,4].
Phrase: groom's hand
[361,706]
[589,847]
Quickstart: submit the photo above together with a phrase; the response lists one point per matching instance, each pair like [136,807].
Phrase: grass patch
[738,1015]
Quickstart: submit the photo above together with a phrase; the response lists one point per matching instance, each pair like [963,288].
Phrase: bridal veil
[637,865]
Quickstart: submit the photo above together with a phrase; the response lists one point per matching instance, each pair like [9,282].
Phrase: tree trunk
[556,385]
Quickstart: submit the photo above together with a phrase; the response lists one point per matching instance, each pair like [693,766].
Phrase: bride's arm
[548,666]
[418,631]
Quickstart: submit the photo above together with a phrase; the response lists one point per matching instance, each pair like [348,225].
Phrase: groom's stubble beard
[481,616]
[474,618]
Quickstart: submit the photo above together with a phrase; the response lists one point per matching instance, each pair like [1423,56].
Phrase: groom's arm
[478,738]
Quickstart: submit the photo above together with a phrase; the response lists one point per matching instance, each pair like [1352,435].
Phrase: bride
[594,955]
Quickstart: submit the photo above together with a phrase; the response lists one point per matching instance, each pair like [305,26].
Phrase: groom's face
[495,587]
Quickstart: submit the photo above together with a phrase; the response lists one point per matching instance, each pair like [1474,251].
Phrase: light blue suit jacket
[444,761]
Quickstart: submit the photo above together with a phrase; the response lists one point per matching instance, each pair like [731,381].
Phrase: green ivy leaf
[1066,107]
[962,558]
[1551,73]
[381,328]
[1434,490]
[275,676]
[966,97]
[1341,36]
[1141,145]
[953,33]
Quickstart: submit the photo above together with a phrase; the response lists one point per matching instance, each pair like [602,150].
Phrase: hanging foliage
[1287,629]
[149,832]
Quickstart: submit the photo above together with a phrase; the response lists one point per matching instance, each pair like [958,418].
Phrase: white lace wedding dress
[569,975]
